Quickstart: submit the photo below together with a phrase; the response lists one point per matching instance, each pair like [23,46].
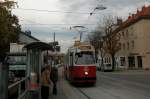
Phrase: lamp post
[101,7]
[77,27]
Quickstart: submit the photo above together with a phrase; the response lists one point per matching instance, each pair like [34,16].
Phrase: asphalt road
[120,85]
[109,85]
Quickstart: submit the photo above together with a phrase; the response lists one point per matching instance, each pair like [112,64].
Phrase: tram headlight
[86,73]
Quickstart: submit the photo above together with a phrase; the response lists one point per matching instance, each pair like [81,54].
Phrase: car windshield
[84,58]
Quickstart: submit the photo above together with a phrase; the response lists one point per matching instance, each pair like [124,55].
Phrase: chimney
[143,8]
[133,16]
[129,17]
[137,13]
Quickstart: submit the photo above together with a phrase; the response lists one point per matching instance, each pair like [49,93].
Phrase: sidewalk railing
[19,89]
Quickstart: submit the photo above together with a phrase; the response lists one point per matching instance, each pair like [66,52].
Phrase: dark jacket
[54,74]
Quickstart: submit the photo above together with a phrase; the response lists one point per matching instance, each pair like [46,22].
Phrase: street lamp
[101,7]
[80,31]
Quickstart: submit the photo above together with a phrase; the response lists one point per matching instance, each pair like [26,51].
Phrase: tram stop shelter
[35,64]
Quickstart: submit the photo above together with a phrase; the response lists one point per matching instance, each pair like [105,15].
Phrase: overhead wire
[32,23]
[57,24]
[52,11]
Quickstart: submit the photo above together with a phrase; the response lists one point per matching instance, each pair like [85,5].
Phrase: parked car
[106,67]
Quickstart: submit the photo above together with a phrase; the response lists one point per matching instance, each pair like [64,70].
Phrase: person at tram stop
[46,82]
[54,79]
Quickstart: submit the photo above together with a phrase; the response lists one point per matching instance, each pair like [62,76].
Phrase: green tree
[9,27]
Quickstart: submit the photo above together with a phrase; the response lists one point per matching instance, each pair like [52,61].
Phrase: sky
[44,17]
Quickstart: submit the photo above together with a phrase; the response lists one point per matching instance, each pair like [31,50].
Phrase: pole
[80,36]
[54,37]
[47,56]
[54,41]
[54,48]
[4,80]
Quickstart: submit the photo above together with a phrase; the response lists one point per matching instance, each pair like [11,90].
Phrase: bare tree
[102,52]
[112,37]
[105,39]
[94,38]
[97,40]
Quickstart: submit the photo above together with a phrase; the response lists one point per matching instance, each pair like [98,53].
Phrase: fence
[19,89]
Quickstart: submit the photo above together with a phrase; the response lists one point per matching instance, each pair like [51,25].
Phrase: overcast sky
[55,16]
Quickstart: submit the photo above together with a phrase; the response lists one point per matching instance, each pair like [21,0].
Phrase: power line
[58,24]
[52,11]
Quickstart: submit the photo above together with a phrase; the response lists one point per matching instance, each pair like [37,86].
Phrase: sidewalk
[133,71]
[65,90]
[60,91]
[60,94]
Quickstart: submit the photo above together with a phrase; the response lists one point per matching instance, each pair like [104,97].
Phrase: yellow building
[135,40]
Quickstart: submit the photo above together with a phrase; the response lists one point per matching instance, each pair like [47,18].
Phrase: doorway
[131,61]
[139,60]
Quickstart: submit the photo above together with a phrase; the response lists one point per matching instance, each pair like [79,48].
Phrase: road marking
[88,97]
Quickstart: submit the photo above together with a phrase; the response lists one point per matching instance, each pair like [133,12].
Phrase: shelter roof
[39,45]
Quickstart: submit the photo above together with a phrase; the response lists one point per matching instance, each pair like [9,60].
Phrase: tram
[80,64]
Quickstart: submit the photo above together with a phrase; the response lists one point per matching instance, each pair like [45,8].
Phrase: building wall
[135,42]
[15,47]
[17,61]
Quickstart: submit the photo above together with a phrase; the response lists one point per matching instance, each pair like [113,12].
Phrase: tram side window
[71,59]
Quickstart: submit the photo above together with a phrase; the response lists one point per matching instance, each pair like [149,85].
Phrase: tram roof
[39,45]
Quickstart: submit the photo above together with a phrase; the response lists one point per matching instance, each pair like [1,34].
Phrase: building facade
[134,41]
[17,54]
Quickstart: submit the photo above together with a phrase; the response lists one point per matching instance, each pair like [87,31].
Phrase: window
[84,58]
[20,60]
[122,34]
[132,44]
[122,61]
[128,45]
[105,60]
[131,31]
[123,46]
[71,59]
[120,45]
[109,60]
[127,33]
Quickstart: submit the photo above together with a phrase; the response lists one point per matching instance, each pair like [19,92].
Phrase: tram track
[83,93]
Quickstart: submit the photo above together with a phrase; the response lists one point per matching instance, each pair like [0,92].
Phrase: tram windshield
[85,58]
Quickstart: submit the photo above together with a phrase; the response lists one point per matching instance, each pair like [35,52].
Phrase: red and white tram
[80,64]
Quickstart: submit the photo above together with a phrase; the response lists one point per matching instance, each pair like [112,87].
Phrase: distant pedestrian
[45,82]
[54,78]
